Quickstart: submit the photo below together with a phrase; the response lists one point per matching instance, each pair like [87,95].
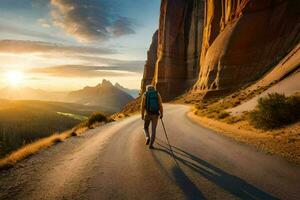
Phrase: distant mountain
[133,92]
[27,93]
[105,95]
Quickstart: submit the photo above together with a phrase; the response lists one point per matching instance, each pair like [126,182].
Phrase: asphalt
[113,162]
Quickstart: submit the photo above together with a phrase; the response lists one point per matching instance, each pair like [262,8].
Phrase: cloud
[39,3]
[22,46]
[42,54]
[122,26]
[90,20]
[44,23]
[128,65]
[11,29]
[81,71]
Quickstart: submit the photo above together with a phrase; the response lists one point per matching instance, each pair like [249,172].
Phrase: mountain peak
[118,85]
[106,83]
[133,92]
[104,95]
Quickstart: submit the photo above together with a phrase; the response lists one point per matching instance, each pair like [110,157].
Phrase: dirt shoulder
[284,142]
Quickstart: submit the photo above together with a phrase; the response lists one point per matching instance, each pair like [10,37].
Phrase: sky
[62,45]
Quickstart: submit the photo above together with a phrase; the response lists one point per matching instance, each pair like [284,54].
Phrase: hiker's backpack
[152,104]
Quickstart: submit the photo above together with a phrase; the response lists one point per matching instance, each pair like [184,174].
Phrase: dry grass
[216,107]
[32,148]
[284,142]
[211,113]
[22,122]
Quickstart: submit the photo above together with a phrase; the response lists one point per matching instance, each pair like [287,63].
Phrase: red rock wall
[221,45]
[150,63]
[243,39]
[179,44]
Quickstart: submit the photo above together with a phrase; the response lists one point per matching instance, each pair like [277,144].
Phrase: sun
[15,78]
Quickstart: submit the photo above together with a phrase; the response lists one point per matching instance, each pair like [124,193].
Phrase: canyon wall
[217,46]
[150,63]
[179,44]
[243,39]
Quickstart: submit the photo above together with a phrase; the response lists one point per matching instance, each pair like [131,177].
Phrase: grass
[284,141]
[31,149]
[275,110]
[74,116]
[216,108]
[23,122]
[223,114]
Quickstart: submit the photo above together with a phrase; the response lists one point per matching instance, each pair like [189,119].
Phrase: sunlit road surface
[112,162]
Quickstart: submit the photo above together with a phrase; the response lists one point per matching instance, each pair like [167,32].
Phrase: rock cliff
[218,46]
[243,39]
[179,42]
[150,63]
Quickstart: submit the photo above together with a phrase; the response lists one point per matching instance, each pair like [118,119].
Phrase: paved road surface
[112,162]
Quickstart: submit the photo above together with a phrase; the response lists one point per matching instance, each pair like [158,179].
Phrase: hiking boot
[147,140]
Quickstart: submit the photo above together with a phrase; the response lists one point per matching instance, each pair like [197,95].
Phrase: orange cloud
[81,71]
[21,46]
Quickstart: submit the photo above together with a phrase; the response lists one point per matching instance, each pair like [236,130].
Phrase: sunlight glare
[15,78]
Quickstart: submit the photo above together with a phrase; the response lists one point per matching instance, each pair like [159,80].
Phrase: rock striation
[243,39]
[150,63]
[179,44]
[217,46]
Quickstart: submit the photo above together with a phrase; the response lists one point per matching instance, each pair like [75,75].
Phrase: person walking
[151,109]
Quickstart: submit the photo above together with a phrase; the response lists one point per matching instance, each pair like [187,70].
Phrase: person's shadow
[232,184]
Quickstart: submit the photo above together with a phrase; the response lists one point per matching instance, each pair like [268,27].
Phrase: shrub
[57,140]
[223,114]
[275,110]
[74,133]
[96,117]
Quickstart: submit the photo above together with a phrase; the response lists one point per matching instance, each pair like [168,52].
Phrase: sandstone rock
[288,65]
[223,45]
[150,63]
[243,39]
[179,42]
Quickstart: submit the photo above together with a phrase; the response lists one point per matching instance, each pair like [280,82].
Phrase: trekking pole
[162,122]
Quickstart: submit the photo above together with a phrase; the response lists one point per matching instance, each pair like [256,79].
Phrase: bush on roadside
[223,115]
[96,118]
[275,110]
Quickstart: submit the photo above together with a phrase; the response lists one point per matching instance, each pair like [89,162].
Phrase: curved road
[112,162]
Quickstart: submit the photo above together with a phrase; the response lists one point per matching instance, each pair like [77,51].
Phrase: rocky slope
[132,92]
[220,45]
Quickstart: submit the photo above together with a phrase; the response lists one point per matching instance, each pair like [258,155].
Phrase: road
[112,162]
